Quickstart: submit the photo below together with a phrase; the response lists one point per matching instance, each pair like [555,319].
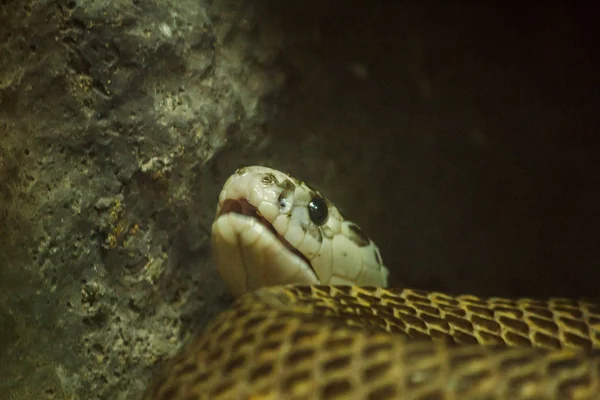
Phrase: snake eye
[317,211]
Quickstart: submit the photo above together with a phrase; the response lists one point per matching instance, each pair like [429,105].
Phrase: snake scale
[314,318]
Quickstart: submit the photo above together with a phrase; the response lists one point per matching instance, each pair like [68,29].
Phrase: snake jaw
[243,207]
[249,252]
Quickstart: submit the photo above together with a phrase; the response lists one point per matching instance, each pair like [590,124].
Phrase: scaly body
[305,336]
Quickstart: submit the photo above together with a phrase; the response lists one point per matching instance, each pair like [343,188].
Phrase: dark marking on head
[357,235]
[268,178]
[282,200]
[287,188]
[287,185]
[314,231]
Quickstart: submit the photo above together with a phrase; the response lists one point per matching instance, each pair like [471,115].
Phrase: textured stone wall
[109,114]
[464,144]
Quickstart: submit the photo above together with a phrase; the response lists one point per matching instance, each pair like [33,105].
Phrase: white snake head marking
[271,229]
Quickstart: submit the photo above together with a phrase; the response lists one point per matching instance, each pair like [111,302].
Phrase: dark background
[470,152]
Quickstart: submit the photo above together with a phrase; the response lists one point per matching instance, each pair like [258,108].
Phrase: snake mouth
[243,207]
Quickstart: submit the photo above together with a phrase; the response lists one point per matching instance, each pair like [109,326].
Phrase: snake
[314,318]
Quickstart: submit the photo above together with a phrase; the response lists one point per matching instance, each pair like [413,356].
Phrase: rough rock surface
[466,146]
[110,112]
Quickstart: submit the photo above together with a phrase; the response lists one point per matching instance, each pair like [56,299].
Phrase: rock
[108,113]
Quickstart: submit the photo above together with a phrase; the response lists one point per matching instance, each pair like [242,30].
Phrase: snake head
[272,229]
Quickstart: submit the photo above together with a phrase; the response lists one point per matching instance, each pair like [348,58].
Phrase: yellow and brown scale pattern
[323,342]
[552,323]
